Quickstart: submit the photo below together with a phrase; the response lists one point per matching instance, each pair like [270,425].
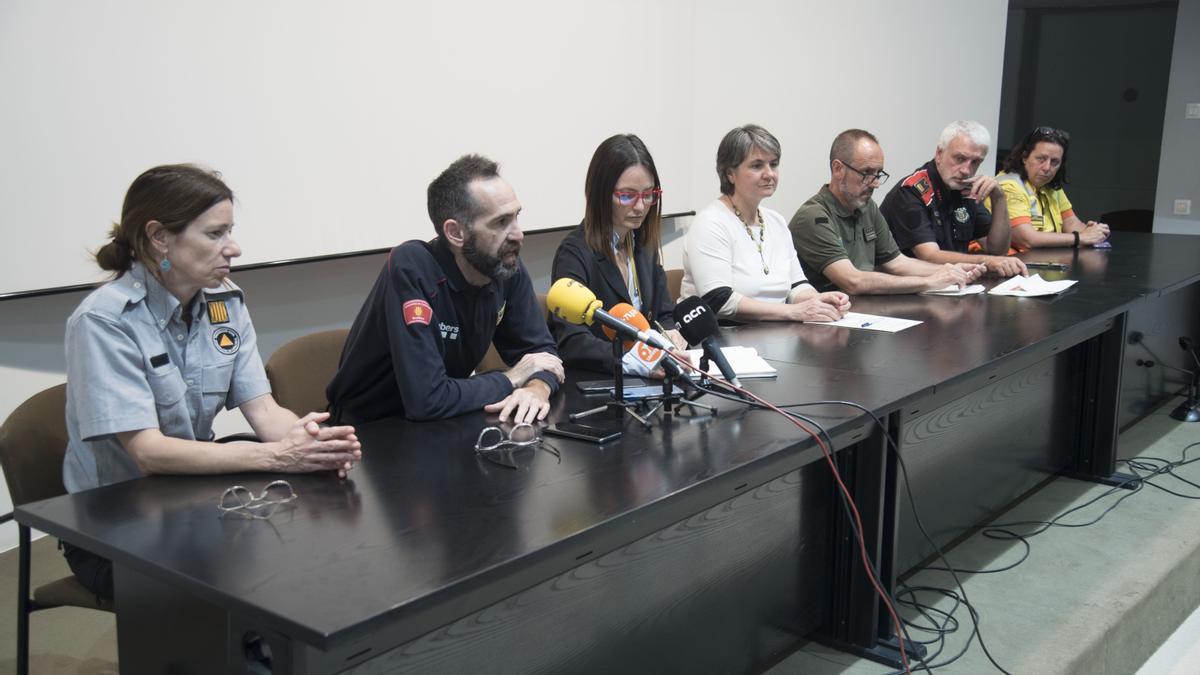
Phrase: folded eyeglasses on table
[503,445]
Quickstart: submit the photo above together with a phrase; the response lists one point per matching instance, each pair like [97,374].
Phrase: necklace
[762,232]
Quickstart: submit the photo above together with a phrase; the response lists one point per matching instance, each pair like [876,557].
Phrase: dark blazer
[586,346]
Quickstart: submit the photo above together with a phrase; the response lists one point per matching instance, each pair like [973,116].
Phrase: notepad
[955,290]
[886,324]
[745,361]
[1031,286]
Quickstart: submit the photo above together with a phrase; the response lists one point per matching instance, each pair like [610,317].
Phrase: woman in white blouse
[738,256]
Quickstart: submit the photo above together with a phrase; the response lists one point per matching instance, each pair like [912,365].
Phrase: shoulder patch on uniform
[226,340]
[821,220]
[217,312]
[919,181]
[417,311]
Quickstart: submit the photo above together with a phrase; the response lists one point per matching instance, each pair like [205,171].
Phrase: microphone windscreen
[694,320]
[571,301]
[629,314]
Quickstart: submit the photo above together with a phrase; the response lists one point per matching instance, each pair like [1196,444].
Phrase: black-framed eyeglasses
[1051,132]
[879,177]
[628,197]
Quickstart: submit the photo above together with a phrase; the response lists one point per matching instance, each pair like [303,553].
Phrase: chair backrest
[1130,220]
[300,370]
[674,282]
[491,360]
[33,441]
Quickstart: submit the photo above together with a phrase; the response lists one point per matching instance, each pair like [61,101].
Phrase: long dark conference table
[706,544]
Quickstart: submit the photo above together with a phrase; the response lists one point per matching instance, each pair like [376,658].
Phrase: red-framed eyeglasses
[628,197]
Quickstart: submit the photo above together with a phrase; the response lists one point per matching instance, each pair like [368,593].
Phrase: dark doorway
[1100,71]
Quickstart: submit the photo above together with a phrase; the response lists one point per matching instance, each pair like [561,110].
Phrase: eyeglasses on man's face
[629,197]
[879,177]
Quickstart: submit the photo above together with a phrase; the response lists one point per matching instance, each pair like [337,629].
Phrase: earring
[164,265]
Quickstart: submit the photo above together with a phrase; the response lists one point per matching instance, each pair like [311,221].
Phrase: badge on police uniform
[226,340]
[217,312]
[960,214]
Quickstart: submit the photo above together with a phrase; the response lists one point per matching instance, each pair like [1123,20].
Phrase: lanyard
[631,278]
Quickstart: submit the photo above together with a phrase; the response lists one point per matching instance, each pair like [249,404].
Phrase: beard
[855,200]
[492,266]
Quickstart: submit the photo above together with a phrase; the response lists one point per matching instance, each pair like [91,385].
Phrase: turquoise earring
[164,265]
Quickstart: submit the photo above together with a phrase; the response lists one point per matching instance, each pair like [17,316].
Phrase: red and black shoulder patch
[919,182]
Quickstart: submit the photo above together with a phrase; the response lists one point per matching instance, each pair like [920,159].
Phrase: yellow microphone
[572,302]
[575,303]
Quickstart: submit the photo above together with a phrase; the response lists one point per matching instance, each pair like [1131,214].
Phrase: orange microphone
[629,314]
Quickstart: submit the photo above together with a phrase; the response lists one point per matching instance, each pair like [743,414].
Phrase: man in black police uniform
[937,211]
[437,306]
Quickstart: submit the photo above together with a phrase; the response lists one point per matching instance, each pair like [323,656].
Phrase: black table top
[426,531]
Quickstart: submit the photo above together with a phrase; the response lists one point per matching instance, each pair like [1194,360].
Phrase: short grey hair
[736,146]
[845,143]
[974,131]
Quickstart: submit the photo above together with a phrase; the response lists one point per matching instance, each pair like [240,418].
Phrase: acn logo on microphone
[691,316]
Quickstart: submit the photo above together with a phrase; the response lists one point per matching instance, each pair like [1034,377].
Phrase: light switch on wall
[1192,112]
[1183,207]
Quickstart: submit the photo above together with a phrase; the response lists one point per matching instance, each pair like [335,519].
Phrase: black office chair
[33,441]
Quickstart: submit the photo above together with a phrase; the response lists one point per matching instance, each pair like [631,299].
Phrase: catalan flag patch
[417,311]
[217,312]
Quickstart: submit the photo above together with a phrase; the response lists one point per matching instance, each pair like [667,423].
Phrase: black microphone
[697,325]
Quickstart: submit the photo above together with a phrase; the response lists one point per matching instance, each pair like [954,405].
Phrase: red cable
[862,544]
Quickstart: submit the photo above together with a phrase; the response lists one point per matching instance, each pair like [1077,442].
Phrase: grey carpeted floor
[1098,599]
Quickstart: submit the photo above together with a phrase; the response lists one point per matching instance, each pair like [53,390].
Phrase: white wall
[1179,164]
[805,70]
[329,119]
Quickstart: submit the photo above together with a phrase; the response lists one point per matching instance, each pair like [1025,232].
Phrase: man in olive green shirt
[843,240]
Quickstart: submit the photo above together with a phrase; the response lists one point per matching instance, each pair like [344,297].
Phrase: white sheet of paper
[745,361]
[955,290]
[886,324]
[1031,286]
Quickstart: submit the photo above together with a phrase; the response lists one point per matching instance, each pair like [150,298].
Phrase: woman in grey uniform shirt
[153,355]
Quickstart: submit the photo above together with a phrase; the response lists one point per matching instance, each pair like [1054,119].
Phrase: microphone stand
[619,406]
[1189,410]
[670,402]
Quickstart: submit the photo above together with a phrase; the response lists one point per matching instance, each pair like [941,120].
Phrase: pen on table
[865,324]
[1048,266]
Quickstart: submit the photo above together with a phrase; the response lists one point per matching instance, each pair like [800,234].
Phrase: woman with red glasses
[615,252]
